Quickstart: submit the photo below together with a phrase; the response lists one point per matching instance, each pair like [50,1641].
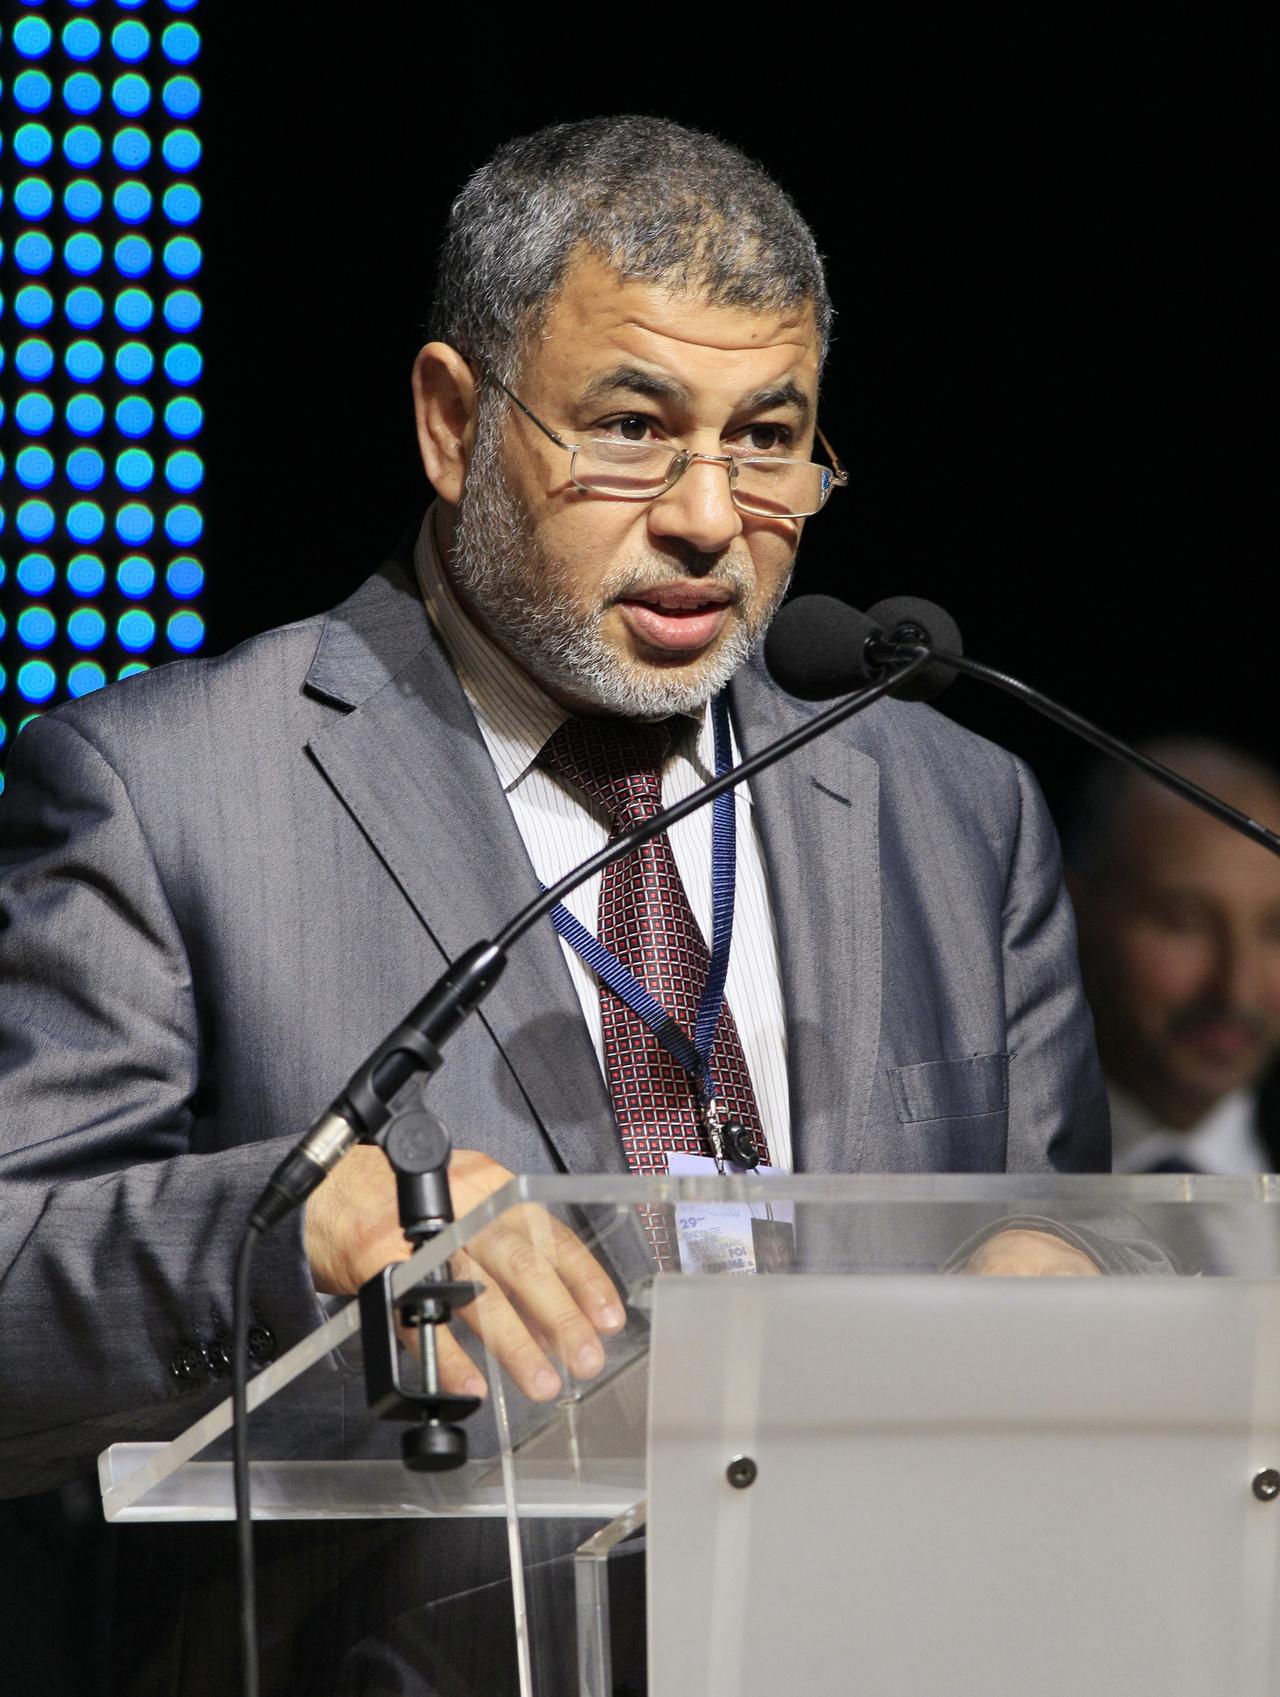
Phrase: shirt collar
[515,714]
[1224,1141]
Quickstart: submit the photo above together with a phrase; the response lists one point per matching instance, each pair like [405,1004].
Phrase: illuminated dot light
[84,361]
[33,252]
[81,38]
[36,520]
[132,201]
[135,416]
[85,415]
[85,468]
[34,413]
[82,200]
[37,627]
[86,574]
[85,521]
[37,681]
[34,360]
[32,90]
[184,578]
[131,94]
[184,471]
[84,307]
[33,144]
[135,468]
[36,574]
[104,254]
[32,37]
[35,468]
[131,148]
[34,306]
[135,523]
[182,363]
[82,145]
[84,677]
[87,628]
[83,254]
[136,630]
[133,256]
[181,150]
[135,576]
[183,417]
[182,97]
[183,310]
[33,197]
[134,309]
[82,92]
[134,362]
[185,631]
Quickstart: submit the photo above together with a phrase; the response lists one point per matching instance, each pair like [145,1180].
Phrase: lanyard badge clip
[728,1137]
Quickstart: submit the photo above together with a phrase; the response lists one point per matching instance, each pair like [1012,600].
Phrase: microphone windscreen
[814,647]
[940,631]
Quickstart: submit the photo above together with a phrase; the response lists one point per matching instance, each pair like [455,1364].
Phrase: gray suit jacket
[223,882]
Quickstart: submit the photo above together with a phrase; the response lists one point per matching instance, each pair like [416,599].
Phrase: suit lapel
[410,765]
[819,824]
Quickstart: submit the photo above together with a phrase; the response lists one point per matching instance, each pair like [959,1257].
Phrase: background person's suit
[222,884]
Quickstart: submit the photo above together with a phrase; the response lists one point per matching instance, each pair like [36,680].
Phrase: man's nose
[698,509]
[1241,969]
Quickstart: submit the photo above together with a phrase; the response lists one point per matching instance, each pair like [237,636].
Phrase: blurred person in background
[1179,921]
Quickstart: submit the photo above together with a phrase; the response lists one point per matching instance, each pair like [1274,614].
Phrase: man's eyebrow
[788,393]
[635,380]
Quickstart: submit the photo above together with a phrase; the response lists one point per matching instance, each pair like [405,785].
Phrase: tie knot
[617,763]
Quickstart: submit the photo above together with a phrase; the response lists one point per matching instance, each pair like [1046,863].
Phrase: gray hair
[657,202]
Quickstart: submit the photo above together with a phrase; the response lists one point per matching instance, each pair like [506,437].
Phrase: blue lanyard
[692,1054]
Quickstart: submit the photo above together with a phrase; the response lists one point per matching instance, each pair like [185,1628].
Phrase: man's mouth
[678,617]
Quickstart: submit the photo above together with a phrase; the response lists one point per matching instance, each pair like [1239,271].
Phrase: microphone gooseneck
[826,647]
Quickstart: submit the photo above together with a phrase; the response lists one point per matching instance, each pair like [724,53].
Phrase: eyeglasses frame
[682,459]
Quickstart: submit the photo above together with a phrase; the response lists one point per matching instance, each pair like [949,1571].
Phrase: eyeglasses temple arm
[842,475]
[532,417]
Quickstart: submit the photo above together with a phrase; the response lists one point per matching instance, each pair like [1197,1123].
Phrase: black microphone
[818,647]
[826,647]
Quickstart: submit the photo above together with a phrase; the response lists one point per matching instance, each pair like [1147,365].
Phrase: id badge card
[732,1237]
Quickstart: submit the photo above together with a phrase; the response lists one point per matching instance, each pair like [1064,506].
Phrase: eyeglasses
[764,485]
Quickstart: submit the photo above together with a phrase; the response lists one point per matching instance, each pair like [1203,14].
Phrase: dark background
[1053,378]
[1050,250]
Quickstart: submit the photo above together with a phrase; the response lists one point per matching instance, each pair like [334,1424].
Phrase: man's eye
[765,439]
[631,427]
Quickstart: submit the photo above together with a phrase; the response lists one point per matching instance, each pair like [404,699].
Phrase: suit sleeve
[1058,1114]
[117,1241]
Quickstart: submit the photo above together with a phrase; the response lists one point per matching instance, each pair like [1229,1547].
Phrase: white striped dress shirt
[561,829]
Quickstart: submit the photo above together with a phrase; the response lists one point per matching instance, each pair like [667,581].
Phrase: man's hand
[1022,1253]
[543,1291]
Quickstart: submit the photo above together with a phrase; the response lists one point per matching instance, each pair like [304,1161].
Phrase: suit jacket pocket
[951,1090]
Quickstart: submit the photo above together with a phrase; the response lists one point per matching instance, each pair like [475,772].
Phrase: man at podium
[221,883]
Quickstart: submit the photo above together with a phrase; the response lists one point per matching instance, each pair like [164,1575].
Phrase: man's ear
[445,402]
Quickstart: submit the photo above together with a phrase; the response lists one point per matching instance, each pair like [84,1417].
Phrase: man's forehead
[1167,841]
[599,315]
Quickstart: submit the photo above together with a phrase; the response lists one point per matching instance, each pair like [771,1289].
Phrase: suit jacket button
[218,1358]
[188,1365]
[262,1345]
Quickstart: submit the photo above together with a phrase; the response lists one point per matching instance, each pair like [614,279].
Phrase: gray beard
[525,595]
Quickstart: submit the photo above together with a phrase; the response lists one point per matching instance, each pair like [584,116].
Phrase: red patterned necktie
[646,921]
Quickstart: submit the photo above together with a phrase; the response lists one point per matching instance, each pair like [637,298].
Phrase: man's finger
[583,1276]
[507,1339]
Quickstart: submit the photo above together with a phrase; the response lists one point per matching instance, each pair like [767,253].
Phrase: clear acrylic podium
[820,1459]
